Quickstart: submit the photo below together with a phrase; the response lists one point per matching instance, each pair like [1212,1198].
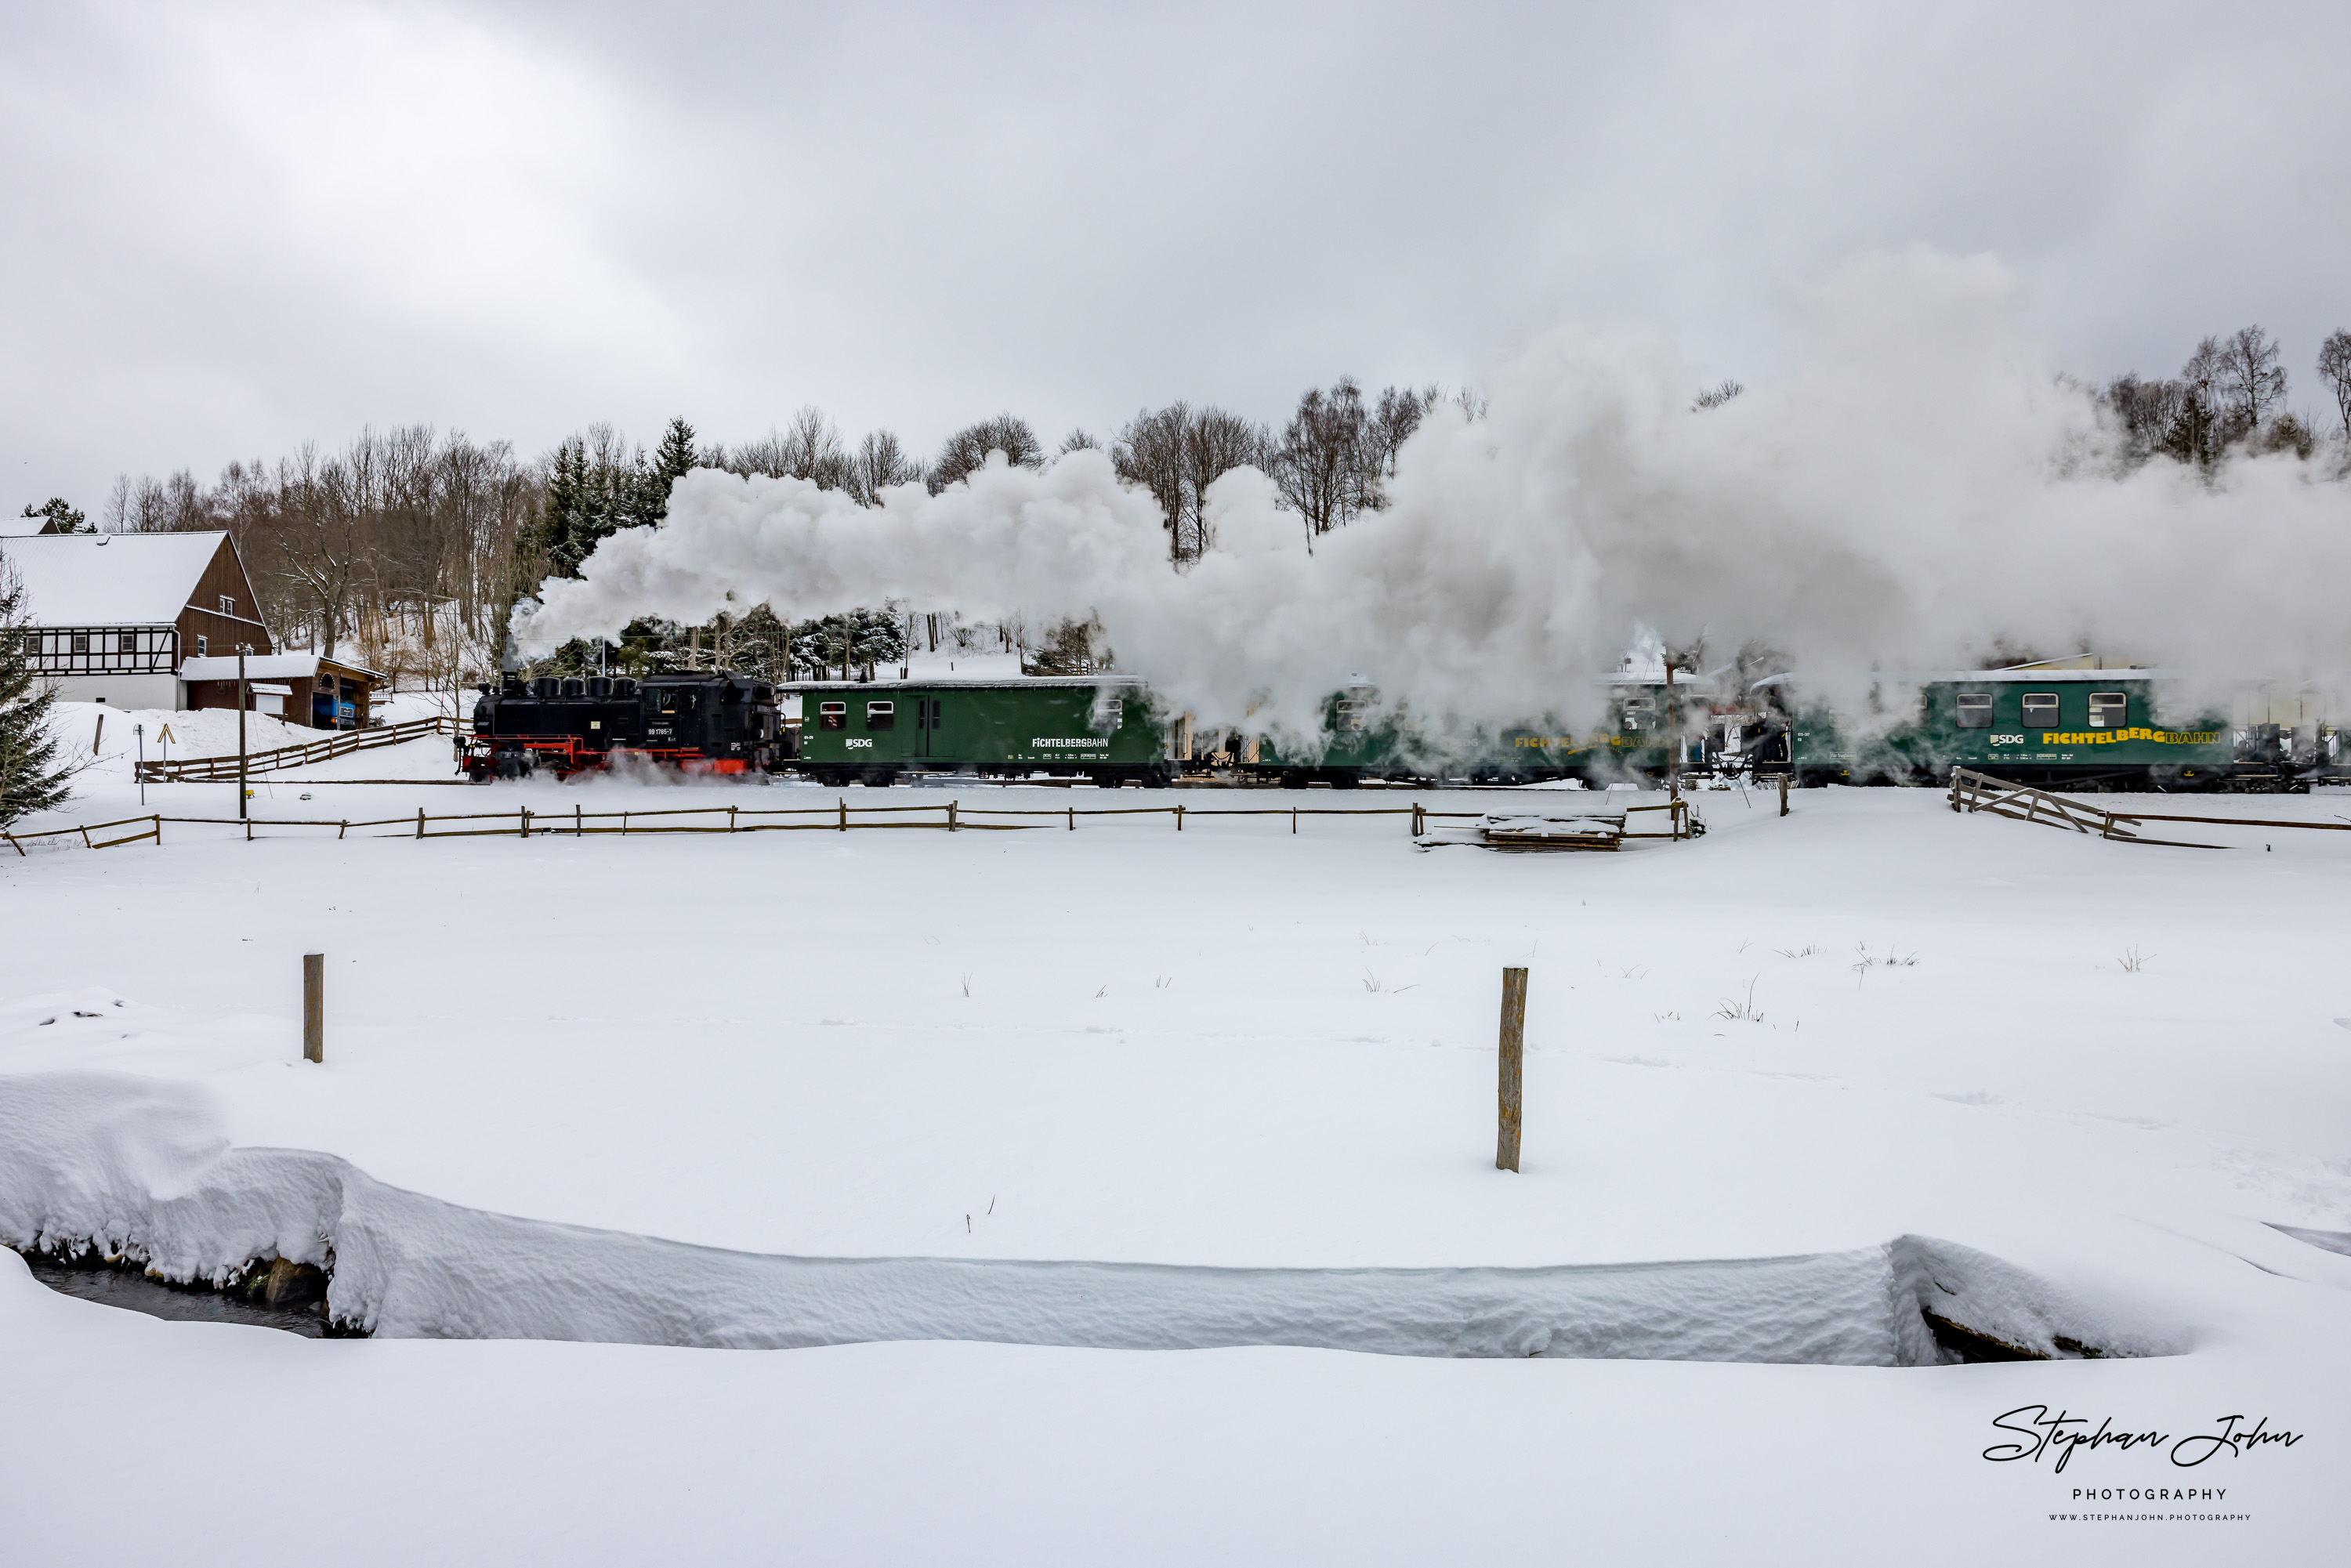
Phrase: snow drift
[138,1166]
[1918,487]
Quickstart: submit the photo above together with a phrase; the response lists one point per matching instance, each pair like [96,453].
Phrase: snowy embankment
[142,1168]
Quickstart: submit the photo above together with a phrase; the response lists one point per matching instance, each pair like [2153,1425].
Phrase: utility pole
[241,649]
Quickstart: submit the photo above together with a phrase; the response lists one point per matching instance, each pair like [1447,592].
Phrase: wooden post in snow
[1784,792]
[242,792]
[1513,1058]
[314,1007]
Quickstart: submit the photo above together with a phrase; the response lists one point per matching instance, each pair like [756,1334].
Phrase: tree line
[409,547]
[2231,396]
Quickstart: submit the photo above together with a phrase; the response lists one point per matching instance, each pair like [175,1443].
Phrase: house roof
[268,667]
[109,580]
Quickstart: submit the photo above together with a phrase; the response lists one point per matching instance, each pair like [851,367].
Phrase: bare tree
[1214,444]
[2335,370]
[1319,465]
[2195,435]
[2252,382]
[1079,441]
[1716,396]
[966,451]
[808,448]
[879,462]
[1391,424]
[1150,453]
[321,538]
[2147,410]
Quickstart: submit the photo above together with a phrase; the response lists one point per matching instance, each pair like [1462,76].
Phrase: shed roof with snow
[271,667]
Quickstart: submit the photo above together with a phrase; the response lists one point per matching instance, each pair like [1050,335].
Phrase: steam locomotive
[714,723]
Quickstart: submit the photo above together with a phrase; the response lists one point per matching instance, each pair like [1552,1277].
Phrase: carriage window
[1975,710]
[881,715]
[1640,712]
[2041,710]
[833,715]
[2109,710]
[1113,713]
[1352,712]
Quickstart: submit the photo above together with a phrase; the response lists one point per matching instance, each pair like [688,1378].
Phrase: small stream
[127,1285]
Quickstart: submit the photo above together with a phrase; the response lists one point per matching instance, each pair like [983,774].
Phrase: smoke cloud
[1920,486]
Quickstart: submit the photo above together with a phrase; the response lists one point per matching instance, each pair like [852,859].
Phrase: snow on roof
[109,580]
[266,667]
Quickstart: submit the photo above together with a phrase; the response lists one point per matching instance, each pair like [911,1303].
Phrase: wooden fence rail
[218,769]
[953,815]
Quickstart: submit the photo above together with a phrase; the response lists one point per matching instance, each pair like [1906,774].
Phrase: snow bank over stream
[140,1167]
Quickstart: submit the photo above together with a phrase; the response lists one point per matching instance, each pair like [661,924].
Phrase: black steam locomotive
[719,723]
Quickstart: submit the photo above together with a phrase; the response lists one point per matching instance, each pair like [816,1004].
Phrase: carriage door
[926,722]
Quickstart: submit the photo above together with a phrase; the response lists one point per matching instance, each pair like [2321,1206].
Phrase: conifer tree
[31,778]
[673,460]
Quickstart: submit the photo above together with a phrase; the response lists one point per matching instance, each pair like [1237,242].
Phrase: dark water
[127,1286]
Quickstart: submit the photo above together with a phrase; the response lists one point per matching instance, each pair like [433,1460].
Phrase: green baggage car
[873,732]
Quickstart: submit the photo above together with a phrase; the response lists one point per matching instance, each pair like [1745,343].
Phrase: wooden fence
[218,769]
[951,816]
[1972,791]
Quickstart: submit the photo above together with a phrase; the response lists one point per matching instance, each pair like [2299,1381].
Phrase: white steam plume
[1920,485]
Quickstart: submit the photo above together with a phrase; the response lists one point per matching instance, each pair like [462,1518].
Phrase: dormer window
[228,605]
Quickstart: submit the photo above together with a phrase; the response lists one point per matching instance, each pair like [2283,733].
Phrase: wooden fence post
[1179,816]
[730,818]
[844,813]
[951,816]
[525,822]
[314,1007]
[1783,794]
[419,821]
[1513,1057]
[1074,819]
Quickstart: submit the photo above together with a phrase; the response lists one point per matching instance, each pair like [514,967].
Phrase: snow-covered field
[686,1091]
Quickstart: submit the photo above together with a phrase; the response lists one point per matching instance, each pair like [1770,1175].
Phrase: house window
[128,643]
[2109,710]
[2041,710]
[833,715]
[881,715]
[1975,710]
[228,605]
[204,644]
[82,642]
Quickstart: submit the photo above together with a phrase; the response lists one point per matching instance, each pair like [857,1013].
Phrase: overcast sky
[233,228]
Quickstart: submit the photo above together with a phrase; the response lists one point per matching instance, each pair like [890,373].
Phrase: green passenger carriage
[873,732]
